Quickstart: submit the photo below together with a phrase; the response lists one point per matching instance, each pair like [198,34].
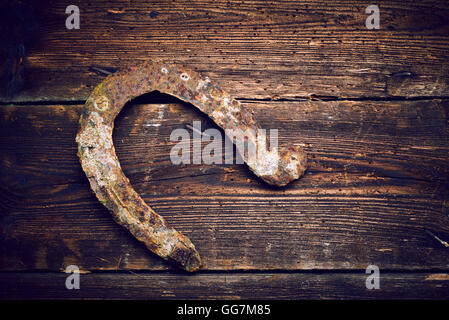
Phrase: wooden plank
[378,178]
[225,286]
[256,49]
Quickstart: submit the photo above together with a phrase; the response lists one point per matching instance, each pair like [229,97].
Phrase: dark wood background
[371,107]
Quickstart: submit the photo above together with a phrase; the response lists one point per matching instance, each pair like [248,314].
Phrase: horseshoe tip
[194,262]
[187,258]
[292,165]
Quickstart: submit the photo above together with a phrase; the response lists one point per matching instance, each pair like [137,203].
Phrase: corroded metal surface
[113,189]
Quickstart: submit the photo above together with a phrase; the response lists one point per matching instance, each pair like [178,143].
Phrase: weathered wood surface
[378,178]
[224,286]
[257,49]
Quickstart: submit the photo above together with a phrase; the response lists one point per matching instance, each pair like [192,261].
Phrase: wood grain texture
[378,178]
[224,286]
[257,49]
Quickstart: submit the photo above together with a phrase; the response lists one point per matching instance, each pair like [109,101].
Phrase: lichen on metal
[113,189]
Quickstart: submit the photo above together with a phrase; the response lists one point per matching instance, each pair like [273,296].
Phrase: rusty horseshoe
[113,189]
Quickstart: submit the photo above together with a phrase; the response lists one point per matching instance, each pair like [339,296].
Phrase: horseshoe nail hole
[185,76]
[101,103]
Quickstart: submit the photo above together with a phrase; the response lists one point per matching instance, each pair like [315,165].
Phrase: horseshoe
[111,186]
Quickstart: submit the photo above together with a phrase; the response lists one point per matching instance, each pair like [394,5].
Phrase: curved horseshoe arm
[101,165]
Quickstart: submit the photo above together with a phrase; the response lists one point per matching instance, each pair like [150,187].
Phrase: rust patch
[113,189]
